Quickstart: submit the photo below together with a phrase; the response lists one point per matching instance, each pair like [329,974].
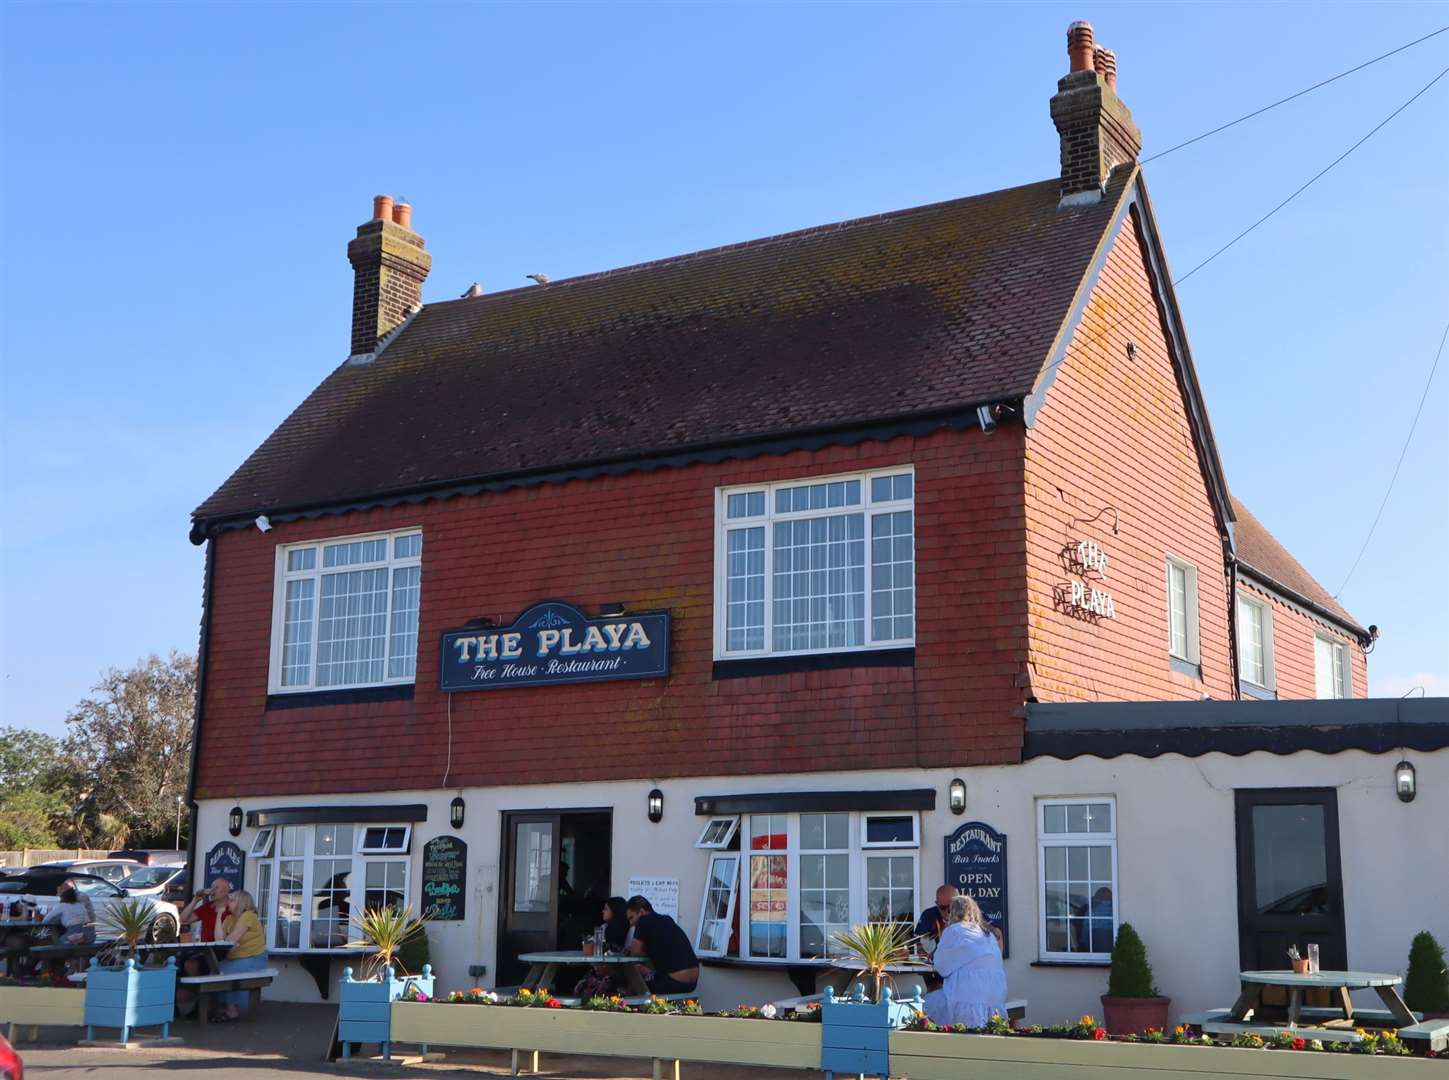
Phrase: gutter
[1360,634]
[208,578]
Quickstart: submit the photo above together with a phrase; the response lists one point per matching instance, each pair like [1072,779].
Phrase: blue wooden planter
[855,1033]
[130,997]
[364,1009]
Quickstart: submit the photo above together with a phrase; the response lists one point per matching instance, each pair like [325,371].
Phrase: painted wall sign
[226,860]
[662,892]
[554,642]
[445,876]
[976,864]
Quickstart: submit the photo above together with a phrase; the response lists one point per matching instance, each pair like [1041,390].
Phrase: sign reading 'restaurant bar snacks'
[554,642]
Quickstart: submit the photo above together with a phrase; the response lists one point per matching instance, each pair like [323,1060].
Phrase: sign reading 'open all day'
[554,642]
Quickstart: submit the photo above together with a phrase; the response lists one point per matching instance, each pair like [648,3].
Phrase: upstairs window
[346,612]
[1182,613]
[823,565]
[1255,646]
[1332,677]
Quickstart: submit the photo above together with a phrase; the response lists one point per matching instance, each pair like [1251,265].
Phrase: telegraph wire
[1402,453]
[1293,97]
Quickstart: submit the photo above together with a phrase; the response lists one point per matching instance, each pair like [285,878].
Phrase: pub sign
[225,860]
[553,642]
[976,864]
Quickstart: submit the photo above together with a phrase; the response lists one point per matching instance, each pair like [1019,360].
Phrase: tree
[1131,974]
[1426,987]
[32,789]
[130,745]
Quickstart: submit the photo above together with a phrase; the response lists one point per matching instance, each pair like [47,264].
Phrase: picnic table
[546,964]
[211,952]
[1338,983]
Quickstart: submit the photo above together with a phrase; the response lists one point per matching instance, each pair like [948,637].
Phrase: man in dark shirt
[933,919]
[676,969]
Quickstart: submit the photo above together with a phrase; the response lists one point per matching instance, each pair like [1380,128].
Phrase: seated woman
[969,959]
[249,953]
[74,920]
[600,982]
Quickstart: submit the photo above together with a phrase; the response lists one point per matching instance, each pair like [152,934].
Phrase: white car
[40,886]
[112,870]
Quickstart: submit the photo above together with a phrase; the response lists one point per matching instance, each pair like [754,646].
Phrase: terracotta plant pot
[588,948]
[1300,967]
[1133,1016]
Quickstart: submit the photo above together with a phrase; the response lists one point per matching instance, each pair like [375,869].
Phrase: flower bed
[35,1005]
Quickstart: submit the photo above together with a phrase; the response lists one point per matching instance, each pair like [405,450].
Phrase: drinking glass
[1313,957]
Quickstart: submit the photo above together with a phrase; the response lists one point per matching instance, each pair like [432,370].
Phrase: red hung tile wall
[1114,433]
[1294,662]
[646,539]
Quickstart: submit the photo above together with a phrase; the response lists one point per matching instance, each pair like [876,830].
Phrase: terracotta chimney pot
[1105,63]
[1079,45]
[402,214]
[382,208]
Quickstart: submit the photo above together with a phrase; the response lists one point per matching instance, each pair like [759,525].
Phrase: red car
[11,1067]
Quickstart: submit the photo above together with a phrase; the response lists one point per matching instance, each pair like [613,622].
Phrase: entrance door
[1290,885]
[554,879]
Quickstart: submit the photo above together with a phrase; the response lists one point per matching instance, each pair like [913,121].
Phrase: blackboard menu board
[225,860]
[976,864]
[445,866]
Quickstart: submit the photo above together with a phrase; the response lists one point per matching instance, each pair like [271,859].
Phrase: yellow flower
[1180,1029]
[1086,1020]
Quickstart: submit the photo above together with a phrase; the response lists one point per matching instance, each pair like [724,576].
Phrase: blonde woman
[969,960]
[249,949]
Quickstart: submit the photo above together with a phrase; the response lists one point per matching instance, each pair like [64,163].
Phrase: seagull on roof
[542,279]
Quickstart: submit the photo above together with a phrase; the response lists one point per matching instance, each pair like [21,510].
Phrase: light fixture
[234,821]
[615,607]
[264,523]
[656,806]
[1405,782]
[455,812]
[957,797]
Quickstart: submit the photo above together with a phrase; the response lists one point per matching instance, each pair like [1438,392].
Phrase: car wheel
[164,930]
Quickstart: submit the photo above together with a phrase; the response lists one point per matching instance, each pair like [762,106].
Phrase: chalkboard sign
[976,864]
[445,866]
[226,860]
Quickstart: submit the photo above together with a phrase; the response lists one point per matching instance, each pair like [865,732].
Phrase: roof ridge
[758,242]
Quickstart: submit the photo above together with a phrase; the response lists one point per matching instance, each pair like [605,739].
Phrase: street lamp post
[179,801]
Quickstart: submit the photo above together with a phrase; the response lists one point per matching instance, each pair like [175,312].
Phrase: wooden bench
[205,986]
[1433,1034]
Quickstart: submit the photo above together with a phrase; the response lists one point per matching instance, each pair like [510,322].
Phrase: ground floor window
[1077,861]
[316,876]
[799,879]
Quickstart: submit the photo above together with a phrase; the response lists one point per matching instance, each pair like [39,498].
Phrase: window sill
[1186,667]
[1259,693]
[1071,963]
[754,667]
[759,962]
[362,695]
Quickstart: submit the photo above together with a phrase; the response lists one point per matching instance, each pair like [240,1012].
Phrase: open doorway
[555,876]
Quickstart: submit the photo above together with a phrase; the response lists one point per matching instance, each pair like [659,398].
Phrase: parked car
[164,882]
[40,885]
[112,870]
[150,857]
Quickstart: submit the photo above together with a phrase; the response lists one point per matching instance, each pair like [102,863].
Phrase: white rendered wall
[1176,860]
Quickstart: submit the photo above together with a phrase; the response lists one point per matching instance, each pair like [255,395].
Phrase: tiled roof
[898,316]
[1260,550]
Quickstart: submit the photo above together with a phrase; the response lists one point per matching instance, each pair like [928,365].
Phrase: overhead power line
[1417,413]
[1294,97]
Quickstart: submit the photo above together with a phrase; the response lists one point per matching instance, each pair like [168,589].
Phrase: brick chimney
[1096,129]
[390,265]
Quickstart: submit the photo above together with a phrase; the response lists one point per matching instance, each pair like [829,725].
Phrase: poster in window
[445,868]
[976,864]
[768,905]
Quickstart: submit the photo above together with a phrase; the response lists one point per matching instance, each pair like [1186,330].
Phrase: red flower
[1099,1034]
[1299,1044]
[554,1003]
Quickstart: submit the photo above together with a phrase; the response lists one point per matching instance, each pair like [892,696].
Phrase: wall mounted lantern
[234,821]
[957,797]
[455,812]
[1405,783]
[656,806]
[614,607]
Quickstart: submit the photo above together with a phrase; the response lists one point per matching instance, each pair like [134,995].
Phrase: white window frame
[867,508]
[262,842]
[871,845]
[268,909]
[858,854]
[729,914]
[1342,666]
[720,844]
[282,576]
[1270,682]
[1192,632]
[1064,839]
[386,850]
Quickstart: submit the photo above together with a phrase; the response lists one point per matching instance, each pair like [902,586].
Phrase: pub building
[783,582]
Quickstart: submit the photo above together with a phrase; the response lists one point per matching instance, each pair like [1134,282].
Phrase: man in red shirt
[209,907]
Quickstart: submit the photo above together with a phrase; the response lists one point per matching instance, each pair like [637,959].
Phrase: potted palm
[1132,1004]
[121,993]
[365,1005]
[855,1032]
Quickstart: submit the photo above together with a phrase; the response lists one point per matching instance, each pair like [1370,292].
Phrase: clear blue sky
[180,182]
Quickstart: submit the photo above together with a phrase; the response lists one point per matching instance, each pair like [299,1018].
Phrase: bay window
[345,612]
[799,879]
[816,566]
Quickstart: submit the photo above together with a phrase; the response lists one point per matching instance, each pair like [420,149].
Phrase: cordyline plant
[387,929]
[876,946]
[130,920]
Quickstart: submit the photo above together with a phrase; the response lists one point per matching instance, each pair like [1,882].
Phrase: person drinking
[209,907]
[968,958]
[676,969]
